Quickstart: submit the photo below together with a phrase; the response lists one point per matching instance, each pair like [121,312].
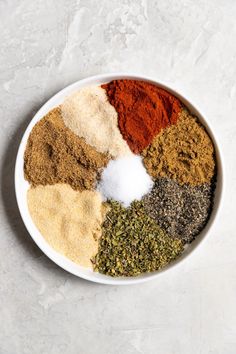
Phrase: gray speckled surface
[46,45]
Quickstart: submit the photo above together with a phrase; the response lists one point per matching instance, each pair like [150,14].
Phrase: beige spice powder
[54,154]
[183,152]
[89,114]
[69,220]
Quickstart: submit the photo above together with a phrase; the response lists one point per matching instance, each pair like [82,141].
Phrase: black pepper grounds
[182,211]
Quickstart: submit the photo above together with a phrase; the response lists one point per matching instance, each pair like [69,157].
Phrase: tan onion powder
[69,220]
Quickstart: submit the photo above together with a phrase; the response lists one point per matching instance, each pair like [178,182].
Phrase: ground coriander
[54,154]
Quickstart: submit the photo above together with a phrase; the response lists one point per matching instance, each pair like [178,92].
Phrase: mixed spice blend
[122,177]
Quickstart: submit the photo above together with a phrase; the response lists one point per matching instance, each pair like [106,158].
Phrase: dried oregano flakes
[132,243]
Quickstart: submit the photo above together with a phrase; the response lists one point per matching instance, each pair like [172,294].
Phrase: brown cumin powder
[183,152]
[54,154]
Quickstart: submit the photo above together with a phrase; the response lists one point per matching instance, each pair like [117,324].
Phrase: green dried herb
[132,243]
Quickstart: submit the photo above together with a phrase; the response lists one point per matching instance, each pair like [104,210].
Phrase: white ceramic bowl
[21,186]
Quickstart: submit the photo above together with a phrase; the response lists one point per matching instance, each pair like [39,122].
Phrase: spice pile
[69,220]
[132,242]
[125,179]
[182,211]
[121,177]
[54,154]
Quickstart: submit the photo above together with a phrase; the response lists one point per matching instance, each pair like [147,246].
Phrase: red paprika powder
[143,110]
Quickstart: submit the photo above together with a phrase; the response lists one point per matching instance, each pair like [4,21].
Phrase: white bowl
[21,186]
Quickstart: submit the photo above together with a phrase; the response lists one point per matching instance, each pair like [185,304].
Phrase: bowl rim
[60,260]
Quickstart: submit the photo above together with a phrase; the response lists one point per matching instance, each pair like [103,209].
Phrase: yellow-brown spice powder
[183,152]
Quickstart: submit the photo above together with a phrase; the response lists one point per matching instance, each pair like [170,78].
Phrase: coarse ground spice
[143,110]
[54,154]
[183,152]
[89,115]
[132,243]
[69,220]
[182,211]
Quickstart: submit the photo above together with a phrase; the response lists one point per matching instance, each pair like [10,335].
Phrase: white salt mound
[125,180]
[89,115]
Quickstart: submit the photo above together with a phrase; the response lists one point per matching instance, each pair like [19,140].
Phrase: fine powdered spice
[54,154]
[132,243]
[69,220]
[183,152]
[182,211]
[143,110]
[125,180]
[89,114]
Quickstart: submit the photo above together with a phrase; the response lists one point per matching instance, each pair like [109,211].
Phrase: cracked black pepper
[182,211]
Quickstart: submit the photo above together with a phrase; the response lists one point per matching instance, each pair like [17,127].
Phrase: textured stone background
[45,45]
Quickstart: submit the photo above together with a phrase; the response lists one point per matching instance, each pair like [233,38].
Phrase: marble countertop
[45,45]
